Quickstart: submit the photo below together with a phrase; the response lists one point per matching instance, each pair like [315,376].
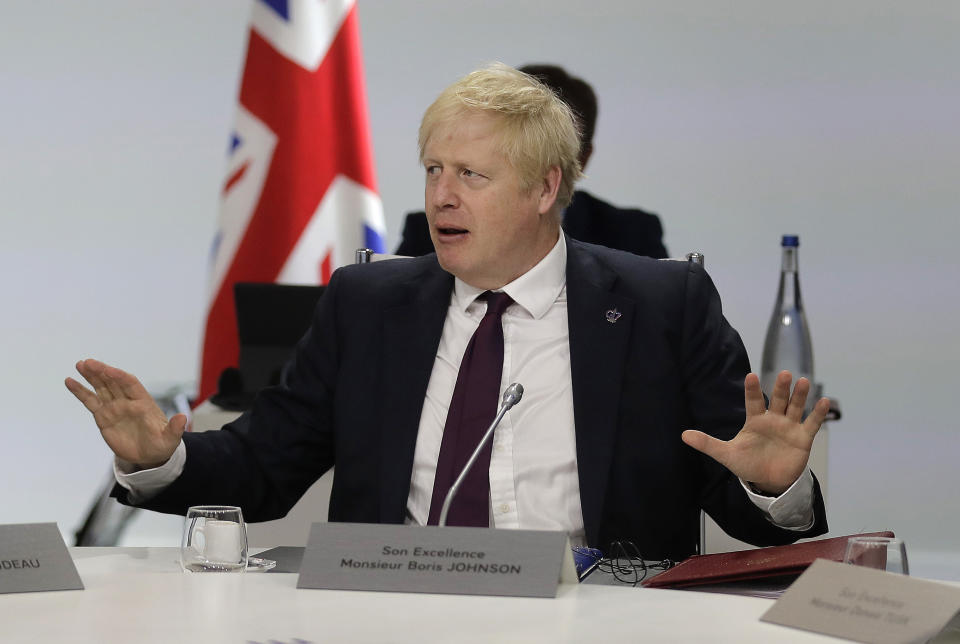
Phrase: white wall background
[736,121]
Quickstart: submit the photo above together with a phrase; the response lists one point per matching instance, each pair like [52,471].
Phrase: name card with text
[430,559]
[33,558]
[868,605]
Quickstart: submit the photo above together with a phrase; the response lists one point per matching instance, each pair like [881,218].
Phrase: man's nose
[444,191]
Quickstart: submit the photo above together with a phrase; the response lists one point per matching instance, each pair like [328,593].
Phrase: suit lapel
[411,334]
[600,323]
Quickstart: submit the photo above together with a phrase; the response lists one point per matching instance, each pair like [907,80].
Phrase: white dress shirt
[533,464]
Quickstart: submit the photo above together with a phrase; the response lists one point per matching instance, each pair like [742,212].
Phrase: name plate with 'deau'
[430,559]
[33,557]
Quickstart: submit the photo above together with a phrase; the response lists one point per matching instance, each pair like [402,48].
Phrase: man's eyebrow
[452,164]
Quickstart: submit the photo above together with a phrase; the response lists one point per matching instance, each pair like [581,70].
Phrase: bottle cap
[791,241]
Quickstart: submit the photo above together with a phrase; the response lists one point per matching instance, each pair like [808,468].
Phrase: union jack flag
[300,195]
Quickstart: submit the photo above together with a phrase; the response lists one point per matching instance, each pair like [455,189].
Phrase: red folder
[743,565]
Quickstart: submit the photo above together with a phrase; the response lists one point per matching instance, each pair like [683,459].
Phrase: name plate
[430,559]
[33,558]
[868,605]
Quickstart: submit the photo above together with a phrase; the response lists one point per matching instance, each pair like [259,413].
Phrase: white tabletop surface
[140,595]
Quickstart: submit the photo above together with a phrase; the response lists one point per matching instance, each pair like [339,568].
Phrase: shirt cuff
[143,485]
[793,509]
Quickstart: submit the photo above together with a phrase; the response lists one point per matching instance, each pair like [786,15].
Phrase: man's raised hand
[131,423]
[772,448]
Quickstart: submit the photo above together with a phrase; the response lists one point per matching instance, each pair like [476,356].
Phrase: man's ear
[550,188]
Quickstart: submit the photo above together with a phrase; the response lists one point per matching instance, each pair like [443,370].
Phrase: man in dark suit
[619,354]
[587,218]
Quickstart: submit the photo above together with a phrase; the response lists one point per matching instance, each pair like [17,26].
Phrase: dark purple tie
[473,407]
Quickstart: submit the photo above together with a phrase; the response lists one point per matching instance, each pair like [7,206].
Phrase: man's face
[487,230]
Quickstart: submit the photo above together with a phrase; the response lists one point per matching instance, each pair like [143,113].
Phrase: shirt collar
[535,291]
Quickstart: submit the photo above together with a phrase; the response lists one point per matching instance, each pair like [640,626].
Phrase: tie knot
[497,303]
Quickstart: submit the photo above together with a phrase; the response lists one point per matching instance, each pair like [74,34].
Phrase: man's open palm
[131,423]
[772,448]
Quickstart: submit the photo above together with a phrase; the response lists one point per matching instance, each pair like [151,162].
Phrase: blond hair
[538,130]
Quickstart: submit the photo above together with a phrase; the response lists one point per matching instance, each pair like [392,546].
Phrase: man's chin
[448,261]
[457,265]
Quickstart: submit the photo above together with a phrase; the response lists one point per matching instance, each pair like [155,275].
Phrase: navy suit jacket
[355,388]
[587,219]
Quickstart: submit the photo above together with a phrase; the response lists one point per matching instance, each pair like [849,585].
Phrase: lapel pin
[613,315]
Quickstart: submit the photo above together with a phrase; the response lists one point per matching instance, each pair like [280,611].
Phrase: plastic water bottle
[788,343]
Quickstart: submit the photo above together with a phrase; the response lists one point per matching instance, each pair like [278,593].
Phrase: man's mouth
[449,231]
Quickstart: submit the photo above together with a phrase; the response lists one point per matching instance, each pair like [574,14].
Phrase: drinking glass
[214,539]
[882,553]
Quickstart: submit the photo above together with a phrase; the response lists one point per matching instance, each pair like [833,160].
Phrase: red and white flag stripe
[300,194]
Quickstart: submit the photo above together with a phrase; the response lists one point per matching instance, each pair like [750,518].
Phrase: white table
[140,595]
